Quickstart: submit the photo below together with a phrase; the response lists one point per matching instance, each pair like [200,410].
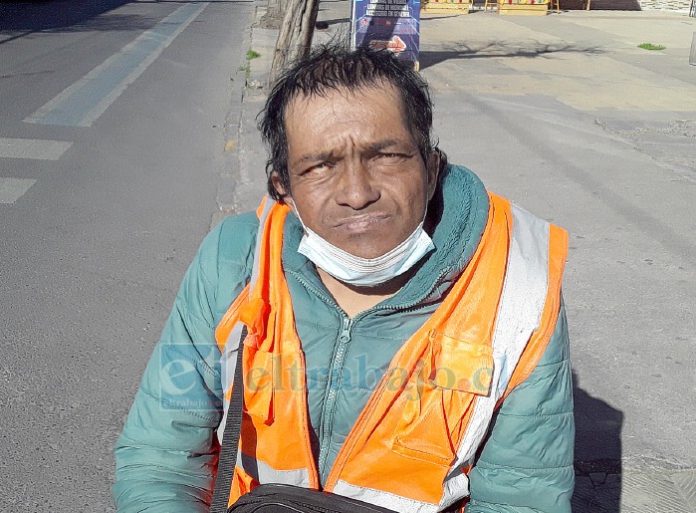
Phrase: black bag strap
[230,439]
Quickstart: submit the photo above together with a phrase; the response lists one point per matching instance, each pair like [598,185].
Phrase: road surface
[111,141]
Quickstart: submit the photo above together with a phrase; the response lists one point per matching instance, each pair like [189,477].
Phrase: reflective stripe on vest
[228,351]
[519,313]
[263,473]
[416,439]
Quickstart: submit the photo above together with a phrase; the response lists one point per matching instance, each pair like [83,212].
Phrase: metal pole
[692,55]
[354,28]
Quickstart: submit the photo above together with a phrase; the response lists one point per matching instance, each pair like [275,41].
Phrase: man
[407,342]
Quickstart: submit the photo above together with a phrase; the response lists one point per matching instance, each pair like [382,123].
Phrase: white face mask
[365,272]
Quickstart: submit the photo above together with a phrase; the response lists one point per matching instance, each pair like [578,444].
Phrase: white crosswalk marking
[32,148]
[11,189]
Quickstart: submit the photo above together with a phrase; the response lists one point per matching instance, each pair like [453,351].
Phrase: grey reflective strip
[228,358]
[268,205]
[526,280]
[519,312]
[384,499]
[455,488]
[265,474]
[228,364]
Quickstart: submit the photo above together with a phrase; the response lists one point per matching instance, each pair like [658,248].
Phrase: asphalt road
[111,135]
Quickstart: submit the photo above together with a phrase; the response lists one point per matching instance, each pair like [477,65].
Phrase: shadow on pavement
[335,20]
[195,1]
[21,19]
[57,14]
[597,454]
[429,58]
[440,17]
[601,5]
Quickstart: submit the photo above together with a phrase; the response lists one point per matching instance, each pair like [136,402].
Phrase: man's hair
[331,68]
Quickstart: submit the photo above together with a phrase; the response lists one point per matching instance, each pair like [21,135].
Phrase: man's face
[357,177]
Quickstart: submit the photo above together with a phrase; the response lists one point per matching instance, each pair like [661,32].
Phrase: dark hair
[330,68]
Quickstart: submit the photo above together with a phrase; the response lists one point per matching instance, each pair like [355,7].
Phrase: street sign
[393,25]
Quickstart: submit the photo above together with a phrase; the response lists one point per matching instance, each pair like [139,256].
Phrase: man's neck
[354,300]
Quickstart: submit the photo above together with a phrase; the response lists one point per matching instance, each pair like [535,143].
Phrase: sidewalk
[566,116]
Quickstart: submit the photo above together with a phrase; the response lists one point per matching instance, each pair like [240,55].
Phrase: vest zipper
[327,414]
[335,375]
[354,433]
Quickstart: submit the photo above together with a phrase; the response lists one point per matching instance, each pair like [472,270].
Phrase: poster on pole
[388,24]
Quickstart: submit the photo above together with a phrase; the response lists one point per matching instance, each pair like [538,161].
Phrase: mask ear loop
[425,213]
[295,211]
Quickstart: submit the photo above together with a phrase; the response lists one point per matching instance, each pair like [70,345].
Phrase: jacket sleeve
[167,452]
[526,465]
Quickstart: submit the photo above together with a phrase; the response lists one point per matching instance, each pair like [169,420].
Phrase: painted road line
[84,101]
[11,189]
[39,149]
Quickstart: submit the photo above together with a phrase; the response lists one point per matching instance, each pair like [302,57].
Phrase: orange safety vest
[416,439]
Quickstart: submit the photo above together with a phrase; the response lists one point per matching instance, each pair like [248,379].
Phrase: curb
[241,182]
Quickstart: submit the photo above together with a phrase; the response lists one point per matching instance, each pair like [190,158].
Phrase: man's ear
[432,168]
[279,187]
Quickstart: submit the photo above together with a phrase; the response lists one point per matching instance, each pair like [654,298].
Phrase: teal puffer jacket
[167,450]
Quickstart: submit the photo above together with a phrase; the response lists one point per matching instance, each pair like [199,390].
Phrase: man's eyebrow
[381,145]
[315,157]
[329,155]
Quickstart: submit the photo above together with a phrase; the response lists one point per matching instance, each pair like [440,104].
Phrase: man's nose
[356,187]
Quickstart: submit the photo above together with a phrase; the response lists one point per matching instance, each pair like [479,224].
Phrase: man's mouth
[361,222]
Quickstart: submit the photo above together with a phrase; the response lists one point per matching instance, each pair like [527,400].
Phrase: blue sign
[393,25]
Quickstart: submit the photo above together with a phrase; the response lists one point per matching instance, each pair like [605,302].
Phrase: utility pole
[296,31]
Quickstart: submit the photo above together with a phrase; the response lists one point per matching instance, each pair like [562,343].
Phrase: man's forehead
[385,89]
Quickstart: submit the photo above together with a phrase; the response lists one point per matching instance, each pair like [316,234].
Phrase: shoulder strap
[230,440]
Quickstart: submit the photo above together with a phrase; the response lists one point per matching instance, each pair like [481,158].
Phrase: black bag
[282,498]
[269,498]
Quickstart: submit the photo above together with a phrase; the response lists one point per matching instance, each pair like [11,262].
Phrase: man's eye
[391,157]
[323,166]
[318,168]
